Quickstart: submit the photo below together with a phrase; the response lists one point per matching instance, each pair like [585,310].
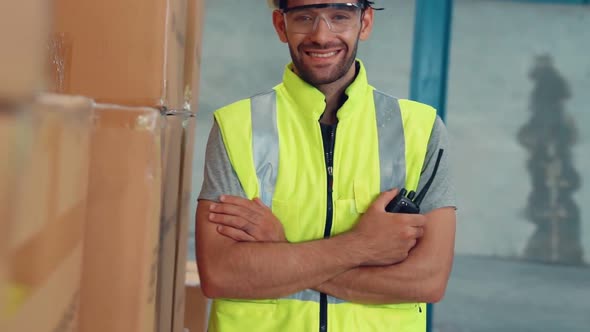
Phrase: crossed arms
[386,258]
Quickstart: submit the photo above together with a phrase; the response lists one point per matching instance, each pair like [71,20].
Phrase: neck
[335,95]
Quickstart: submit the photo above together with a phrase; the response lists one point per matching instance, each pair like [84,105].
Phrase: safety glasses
[339,17]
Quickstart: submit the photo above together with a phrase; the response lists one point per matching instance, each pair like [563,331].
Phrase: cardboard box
[178,143]
[171,161]
[125,52]
[14,137]
[186,216]
[192,65]
[9,123]
[3,284]
[46,235]
[195,319]
[121,250]
[23,36]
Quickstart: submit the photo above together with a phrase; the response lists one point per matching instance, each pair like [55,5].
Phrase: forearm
[234,263]
[422,277]
[270,270]
[257,270]
[406,282]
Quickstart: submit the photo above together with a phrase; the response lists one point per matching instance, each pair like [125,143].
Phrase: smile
[322,55]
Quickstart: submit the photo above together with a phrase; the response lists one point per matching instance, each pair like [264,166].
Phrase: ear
[367,24]
[278,20]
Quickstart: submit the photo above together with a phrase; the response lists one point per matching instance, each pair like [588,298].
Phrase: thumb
[259,202]
[384,198]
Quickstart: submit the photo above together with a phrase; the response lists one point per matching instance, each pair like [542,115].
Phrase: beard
[317,77]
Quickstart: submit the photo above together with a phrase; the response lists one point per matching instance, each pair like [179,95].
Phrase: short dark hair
[282,4]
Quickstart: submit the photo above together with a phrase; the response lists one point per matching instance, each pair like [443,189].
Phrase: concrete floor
[487,294]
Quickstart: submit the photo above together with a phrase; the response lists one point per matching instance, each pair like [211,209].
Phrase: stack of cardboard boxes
[94,221]
[45,141]
[13,133]
[121,250]
[138,60]
[47,231]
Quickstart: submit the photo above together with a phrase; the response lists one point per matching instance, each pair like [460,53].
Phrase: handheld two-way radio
[409,202]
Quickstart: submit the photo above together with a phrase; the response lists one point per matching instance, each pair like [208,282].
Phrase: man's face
[322,56]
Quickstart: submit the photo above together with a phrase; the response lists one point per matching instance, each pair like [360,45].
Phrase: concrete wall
[496,46]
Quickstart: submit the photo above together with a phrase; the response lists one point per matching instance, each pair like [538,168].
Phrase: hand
[245,220]
[387,238]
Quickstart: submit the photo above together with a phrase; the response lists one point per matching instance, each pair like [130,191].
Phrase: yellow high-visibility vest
[274,143]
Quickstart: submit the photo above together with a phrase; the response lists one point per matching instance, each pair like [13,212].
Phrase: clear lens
[339,19]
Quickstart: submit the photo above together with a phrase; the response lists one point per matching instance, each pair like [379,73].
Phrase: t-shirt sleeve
[219,177]
[441,192]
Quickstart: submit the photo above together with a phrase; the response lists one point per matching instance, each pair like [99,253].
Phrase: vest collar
[311,101]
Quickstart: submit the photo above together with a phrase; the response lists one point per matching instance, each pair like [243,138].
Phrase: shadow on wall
[548,137]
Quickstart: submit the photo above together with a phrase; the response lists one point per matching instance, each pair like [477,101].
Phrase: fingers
[235,234]
[245,216]
[416,220]
[411,220]
[235,200]
[260,203]
[229,220]
[246,220]
[419,232]
[230,209]
[251,212]
[384,198]
[242,202]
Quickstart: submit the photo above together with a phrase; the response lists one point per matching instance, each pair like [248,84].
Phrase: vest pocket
[264,301]
[287,213]
[348,211]
[243,315]
[400,306]
[238,307]
[345,216]
[378,318]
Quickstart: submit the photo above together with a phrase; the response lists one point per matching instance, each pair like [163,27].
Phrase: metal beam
[430,59]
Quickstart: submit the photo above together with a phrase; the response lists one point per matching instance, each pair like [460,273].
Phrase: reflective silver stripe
[392,154]
[313,296]
[304,295]
[265,143]
[335,300]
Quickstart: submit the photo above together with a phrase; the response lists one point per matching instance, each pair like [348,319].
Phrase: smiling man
[292,228]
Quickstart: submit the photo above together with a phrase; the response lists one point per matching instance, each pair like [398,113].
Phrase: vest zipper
[330,137]
[330,177]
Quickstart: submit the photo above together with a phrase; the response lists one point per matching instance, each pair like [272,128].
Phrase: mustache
[320,47]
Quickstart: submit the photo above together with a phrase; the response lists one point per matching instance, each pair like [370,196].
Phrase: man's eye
[303,18]
[341,17]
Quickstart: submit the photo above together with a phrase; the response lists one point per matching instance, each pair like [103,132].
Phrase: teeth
[323,55]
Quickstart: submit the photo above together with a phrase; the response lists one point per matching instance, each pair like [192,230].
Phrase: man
[292,232]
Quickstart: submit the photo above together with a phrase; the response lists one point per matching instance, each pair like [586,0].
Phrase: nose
[321,30]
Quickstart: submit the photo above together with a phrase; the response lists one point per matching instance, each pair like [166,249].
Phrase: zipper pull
[330,170]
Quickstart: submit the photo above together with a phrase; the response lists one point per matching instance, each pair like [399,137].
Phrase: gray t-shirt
[221,179]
